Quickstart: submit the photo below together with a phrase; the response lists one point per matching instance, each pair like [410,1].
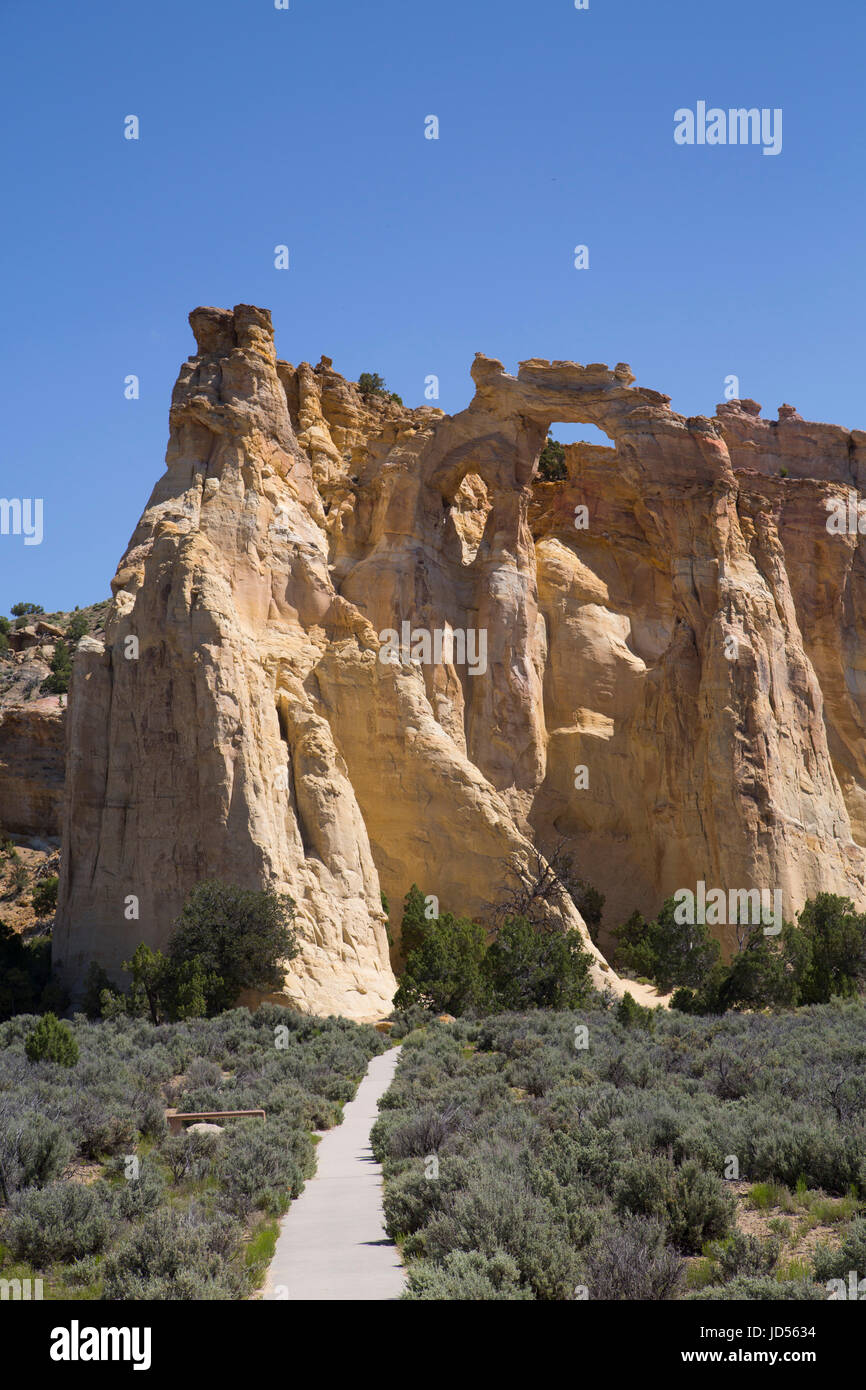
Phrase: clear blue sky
[408,255]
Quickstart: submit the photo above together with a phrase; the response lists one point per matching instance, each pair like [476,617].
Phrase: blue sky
[306,127]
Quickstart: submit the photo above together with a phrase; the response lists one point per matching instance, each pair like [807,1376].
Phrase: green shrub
[52,1041]
[836,1263]
[645,1186]
[57,683]
[451,968]
[415,921]
[590,904]
[151,1119]
[166,988]
[827,949]
[263,1165]
[741,1254]
[820,957]
[84,1272]
[44,898]
[633,1015]
[467,1275]
[189,1155]
[33,1151]
[412,1198]
[25,968]
[406,1020]
[500,1212]
[176,1255]
[699,1208]
[686,1001]
[95,982]
[670,952]
[425,1132]
[137,1196]
[17,878]
[758,976]
[371,384]
[634,947]
[241,938]
[551,462]
[62,1221]
[533,967]
[102,1130]
[444,973]
[631,1261]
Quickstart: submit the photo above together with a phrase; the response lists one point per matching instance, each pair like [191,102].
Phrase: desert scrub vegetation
[25,973]
[517,959]
[819,957]
[227,939]
[101,1201]
[560,1155]
[551,463]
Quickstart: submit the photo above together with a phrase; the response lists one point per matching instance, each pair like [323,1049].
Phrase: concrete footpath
[332,1242]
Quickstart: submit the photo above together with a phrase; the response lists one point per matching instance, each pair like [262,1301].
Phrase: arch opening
[552,466]
[467,513]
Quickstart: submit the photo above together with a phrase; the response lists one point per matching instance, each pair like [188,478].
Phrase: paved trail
[332,1242]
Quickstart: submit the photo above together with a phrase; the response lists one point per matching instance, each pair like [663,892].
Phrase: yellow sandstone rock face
[242,723]
[31,768]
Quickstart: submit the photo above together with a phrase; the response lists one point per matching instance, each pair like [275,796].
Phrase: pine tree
[61,670]
[415,922]
[52,1041]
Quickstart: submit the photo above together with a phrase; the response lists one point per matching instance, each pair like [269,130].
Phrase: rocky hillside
[32,753]
[354,646]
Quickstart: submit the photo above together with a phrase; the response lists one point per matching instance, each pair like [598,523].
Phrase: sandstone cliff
[31,768]
[32,723]
[694,647]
